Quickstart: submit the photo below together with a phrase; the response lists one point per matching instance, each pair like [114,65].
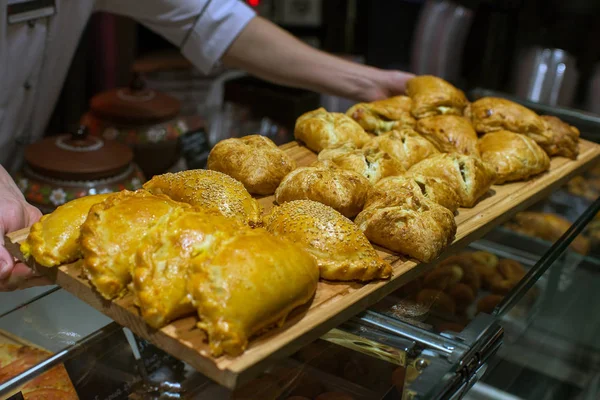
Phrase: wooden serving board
[333,302]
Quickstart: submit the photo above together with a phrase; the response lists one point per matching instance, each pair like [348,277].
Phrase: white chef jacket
[35,55]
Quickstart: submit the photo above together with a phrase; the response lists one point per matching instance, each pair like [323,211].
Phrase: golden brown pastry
[372,163]
[559,138]
[383,115]
[490,114]
[443,277]
[341,250]
[437,300]
[462,294]
[434,96]
[54,239]
[432,188]
[111,233]
[210,190]
[344,191]
[588,188]
[253,282]
[417,227]
[407,146]
[449,134]
[515,157]
[254,160]
[508,274]
[489,303]
[162,261]
[546,226]
[468,264]
[467,175]
[319,129]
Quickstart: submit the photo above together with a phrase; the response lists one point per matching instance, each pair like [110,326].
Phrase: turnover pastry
[372,163]
[111,233]
[434,96]
[383,115]
[490,114]
[209,190]
[54,239]
[449,133]
[319,129]
[515,157]
[467,175]
[559,138]
[254,160]
[253,282]
[341,250]
[345,191]
[406,146]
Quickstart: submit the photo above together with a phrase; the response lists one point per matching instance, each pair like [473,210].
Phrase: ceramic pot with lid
[61,168]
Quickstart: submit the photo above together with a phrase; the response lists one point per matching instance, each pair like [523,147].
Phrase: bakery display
[340,248]
[319,129]
[559,138]
[586,185]
[490,114]
[406,146]
[449,133]
[383,116]
[253,160]
[514,156]
[344,191]
[210,190]
[434,96]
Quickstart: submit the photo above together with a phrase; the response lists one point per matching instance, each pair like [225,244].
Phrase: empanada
[559,138]
[345,191]
[253,282]
[406,146]
[467,175]
[514,156]
[490,114]
[449,134]
[434,96]
[254,160]
[383,115]
[54,239]
[341,250]
[210,190]
[319,129]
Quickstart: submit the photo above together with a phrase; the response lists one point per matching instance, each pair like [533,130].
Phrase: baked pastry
[467,175]
[406,146]
[449,133]
[432,188]
[372,163]
[443,276]
[383,115]
[437,300]
[344,191]
[468,264]
[163,258]
[434,96]
[508,274]
[588,188]
[489,303]
[559,138]
[209,190]
[341,250]
[515,157]
[111,233]
[319,129]
[462,294]
[253,282]
[546,226]
[254,160]
[54,239]
[417,226]
[490,114]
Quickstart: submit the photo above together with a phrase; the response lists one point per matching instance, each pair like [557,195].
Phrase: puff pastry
[111,233]
[163,257]
[559,138]
[434,96]
[467,175]
[319,129]
[254,160]
[372,163]
[210,190]
[406,146]
[449,133]
[253,282]
[417,226]
[54,239]
[490,114]
[515,157]
[345,191]
[341,250]
[383,115]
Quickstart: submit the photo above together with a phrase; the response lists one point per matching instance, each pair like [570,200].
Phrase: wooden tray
[334,302]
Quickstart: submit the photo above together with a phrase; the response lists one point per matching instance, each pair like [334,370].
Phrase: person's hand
[388,83]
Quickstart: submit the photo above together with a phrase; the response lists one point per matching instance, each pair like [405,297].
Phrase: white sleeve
[202,29]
